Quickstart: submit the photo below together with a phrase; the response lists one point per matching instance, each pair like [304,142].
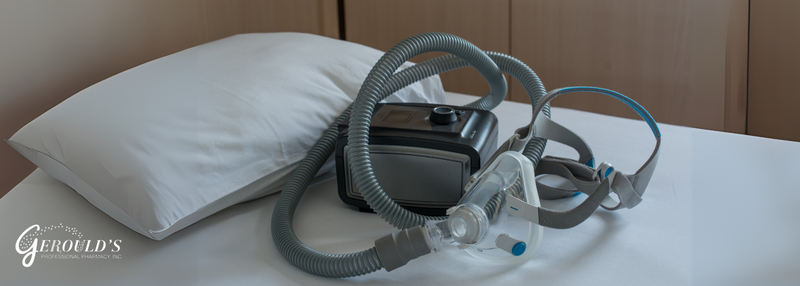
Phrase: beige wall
[50,50]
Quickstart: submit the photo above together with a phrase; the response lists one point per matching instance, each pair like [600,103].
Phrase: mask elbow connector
[438,234]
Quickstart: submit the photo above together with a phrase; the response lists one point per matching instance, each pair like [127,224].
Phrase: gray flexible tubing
[367,261]
[369,95]
[515,68]
[359,263]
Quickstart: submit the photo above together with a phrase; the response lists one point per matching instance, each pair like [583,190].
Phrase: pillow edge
[54,167]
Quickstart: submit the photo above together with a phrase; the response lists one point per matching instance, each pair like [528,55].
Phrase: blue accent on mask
[518,249]
[630,102]
[608,172]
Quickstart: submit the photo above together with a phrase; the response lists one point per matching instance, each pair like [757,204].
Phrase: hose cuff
[396,249]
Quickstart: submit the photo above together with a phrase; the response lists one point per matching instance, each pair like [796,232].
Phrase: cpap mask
[499,219]
[482,223]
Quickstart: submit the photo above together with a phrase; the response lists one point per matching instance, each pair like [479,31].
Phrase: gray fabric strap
[575,216]
[630,188]
[546,128]
[581,177]
[597,183]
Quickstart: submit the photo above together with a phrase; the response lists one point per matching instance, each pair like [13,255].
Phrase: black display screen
[398,116]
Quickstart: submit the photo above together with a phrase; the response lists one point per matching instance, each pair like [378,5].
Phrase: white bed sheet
[720,209]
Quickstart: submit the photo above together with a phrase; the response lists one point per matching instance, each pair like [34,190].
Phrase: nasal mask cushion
[481,222]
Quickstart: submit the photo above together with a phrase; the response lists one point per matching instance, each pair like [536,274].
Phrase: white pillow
[165,144]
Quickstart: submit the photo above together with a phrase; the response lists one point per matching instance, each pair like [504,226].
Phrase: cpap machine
[435,172]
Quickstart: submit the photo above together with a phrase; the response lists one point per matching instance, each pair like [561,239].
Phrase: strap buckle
[619,184]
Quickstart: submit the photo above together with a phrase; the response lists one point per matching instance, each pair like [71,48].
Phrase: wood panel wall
[685,61]
[774,97]
[228,17]
[382,24]
[50,50]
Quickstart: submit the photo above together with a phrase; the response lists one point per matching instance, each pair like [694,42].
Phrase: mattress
[719,209]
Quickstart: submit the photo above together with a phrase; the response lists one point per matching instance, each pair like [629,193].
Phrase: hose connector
[396,249]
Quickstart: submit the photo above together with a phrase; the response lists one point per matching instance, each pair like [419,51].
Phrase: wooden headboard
[50,50]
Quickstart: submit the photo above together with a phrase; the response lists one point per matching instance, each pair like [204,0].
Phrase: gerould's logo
[63,242]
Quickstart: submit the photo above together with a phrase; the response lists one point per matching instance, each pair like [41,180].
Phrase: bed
[720,209]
